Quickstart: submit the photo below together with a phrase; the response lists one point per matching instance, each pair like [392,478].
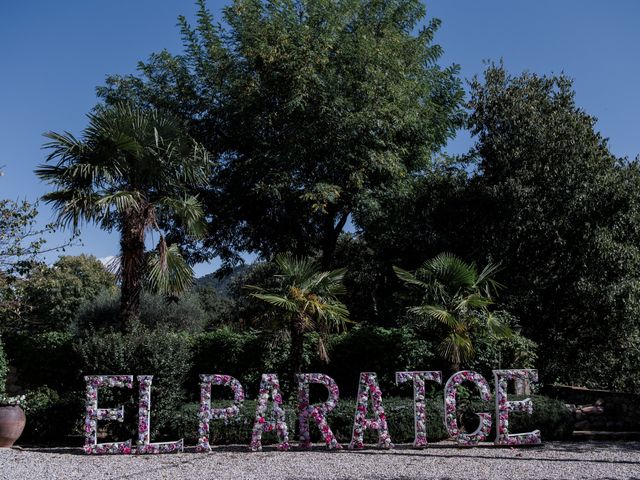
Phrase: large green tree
[316,108]
[563,214]
[131,170]
[52,295]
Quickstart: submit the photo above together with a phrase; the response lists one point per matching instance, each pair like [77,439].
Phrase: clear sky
[54,54]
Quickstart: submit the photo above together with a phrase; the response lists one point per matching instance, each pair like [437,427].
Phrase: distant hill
[221,284]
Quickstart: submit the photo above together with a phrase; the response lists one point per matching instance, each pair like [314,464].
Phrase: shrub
[53,417]
[550,416]
[4,368]
[399,413]
[367,348]
[239,354]
[45,359]
[185,314]
[165,355]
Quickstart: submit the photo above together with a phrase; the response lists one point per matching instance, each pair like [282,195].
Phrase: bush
[239,354]
[4,368]
[399,412]
[53,417]
[45,359]
[166,355]
[185,314]
[550,416]
[367,348]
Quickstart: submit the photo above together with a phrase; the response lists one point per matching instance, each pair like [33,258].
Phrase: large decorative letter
[94,382]
[317,413]
[503,407]
[450,408]
[269,383]
[369,386]
[144,423]
[419,379]
[207,413]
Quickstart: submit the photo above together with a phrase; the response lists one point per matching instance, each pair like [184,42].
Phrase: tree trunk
[330,238]
[297,351]
[132,267]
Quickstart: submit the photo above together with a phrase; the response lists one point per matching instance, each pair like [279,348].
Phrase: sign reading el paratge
[369,393]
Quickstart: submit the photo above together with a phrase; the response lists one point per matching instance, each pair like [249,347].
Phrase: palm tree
[130,172]
[455,295]
[308,299]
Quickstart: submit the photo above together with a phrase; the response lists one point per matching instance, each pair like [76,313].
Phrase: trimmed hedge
[399,412]
[45,359]
[552,417]
[4,368]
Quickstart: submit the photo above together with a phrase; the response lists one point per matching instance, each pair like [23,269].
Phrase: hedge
[4,368]
[58,418]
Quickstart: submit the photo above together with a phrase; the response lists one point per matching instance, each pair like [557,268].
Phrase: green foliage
[240,354]
[367,348]
[185,314]
[561,212]
[20,240]
[130,171]
[51,296]
[317,108]
[399,412]
[513,351]
[550,416]
[4,368]
[45,359]
[165,355]
[455,295]
[53,417]
[308,301]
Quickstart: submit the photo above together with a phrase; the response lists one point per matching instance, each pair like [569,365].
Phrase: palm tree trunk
[297,350]
[132,267]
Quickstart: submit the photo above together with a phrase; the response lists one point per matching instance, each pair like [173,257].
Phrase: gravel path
[554,460]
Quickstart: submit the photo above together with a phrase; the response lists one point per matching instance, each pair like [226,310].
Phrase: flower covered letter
[419,379]
[144,422]
[503,407]
[317,413]
[450,408]
[94,382]
[207,413]
[269,383]
[369,386]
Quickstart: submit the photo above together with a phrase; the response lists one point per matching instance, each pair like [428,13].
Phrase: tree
[309,301]
[561,212]
[455,295]
[316,107]
[130,171]
[52,295]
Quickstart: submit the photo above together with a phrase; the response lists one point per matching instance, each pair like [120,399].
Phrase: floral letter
[94,382]
[268,383]
[207,413]
[450,408]
[369,385]
[317,413]
[144,422]
[503,407]
[418,401]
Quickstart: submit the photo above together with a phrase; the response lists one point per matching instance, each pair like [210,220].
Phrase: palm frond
[167,271]
[451,270]
[409,278]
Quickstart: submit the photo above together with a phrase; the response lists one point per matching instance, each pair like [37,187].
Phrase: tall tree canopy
[316,107]
[130,171]
[562,213]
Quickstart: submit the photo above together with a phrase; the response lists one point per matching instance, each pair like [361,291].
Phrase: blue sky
[54,54]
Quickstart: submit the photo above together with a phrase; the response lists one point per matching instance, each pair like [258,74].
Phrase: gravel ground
[554,460]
